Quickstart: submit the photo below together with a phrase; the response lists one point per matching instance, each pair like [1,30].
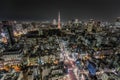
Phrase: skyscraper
[8,29]
[59,26]
[54,22]
[117,22]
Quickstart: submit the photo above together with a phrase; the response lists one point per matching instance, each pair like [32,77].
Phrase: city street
[78,51]
[68,62]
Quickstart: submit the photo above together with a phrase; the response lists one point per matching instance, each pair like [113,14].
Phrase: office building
[8,30]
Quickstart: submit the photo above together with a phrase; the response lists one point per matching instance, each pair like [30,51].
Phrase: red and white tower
[59,26]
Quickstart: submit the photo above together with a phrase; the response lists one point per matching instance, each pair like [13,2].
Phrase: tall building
[90,25]
[117,22]
[8,30]
[59,24]
[0,27]
[76,21]
[54,22]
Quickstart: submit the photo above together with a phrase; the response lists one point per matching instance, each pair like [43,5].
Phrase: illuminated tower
[59,27]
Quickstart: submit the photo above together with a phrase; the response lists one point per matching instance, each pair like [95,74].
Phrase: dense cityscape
[55,50]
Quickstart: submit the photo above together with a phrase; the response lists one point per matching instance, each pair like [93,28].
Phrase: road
[45,72]
[30,77]
[20,76]
[69,62]
[73,70]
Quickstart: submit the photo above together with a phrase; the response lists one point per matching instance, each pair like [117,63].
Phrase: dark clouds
[48,9]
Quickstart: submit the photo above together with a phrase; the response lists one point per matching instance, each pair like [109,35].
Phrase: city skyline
[106,10]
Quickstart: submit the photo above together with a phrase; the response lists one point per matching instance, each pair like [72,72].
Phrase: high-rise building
[59,24]
[117,22]
[90,25]
[76,21]
[8,30]
[54,22]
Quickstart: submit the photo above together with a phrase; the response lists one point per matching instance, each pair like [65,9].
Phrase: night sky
[48,9]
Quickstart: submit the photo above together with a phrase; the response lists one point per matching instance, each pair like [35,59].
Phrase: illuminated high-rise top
[59,26]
